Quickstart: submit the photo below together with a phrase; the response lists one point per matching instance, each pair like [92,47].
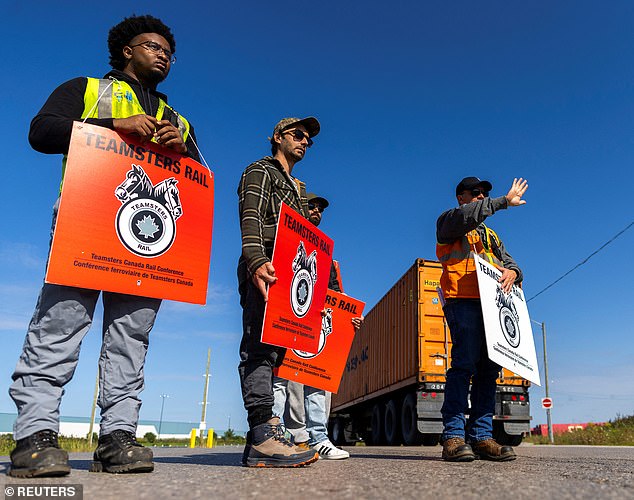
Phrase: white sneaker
[329,451]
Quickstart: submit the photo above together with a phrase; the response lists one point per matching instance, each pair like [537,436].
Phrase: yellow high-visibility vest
[120,101]
[106,98]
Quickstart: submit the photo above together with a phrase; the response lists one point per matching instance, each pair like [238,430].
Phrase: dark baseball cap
[312,197]
[470,183]
[310,123]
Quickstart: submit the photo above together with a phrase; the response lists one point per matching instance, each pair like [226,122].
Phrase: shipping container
[393,385]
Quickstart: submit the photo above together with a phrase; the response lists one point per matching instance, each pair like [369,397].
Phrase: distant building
[79,426]
[542,430]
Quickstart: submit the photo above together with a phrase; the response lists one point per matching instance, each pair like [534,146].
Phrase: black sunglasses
[477,192]
[313,206]
[299,136]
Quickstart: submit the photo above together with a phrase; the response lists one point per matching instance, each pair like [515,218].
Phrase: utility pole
[551,436]
[92,411]
[163,396]
[203,422]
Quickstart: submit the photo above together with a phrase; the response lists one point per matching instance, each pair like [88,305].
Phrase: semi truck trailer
[393,385]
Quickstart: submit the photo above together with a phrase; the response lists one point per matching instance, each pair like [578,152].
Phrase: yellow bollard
[210,438]
[192,439]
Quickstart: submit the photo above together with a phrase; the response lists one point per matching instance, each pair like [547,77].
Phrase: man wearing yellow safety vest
[461,232]
[126,100]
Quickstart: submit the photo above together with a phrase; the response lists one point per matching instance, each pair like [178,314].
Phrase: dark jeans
[469,362]
[257,360]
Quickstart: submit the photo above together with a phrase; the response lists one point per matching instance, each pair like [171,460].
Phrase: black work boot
[269,448]
[39,455]
[119,452]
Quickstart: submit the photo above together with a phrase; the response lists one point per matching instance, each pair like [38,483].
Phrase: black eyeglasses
[155,48]
[313,206]
[477,192]
[299,135]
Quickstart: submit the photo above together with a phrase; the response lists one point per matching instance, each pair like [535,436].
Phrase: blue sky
[412,96]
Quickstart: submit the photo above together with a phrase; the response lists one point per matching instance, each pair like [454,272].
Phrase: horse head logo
[146,221]
[304,278]
[304,261]
[167,193]
[136,185]
[505,300]
[509,318]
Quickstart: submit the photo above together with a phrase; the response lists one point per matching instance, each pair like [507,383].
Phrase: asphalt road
[540,472]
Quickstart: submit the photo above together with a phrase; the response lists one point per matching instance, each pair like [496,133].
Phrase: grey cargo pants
[62,318]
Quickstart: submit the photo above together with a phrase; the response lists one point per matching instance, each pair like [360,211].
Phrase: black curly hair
[121,34]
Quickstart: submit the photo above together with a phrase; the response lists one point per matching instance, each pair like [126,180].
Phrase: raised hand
[514,196]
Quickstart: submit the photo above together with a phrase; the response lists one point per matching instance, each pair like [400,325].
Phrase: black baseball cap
[472,182]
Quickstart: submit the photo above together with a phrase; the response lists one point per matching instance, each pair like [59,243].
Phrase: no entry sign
[547,403]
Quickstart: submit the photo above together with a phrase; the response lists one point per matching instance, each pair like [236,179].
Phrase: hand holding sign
[168,135]
[142,126]
[507,280]
[264,276]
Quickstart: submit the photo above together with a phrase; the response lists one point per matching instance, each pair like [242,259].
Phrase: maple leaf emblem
[302,292]
[147,227]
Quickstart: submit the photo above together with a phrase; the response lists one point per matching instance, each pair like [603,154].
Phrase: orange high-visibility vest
[459,278]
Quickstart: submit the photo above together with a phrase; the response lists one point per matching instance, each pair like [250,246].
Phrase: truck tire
[392,425]
[409,421]
[376,425]
[505,439]
[431,439]
[338,432]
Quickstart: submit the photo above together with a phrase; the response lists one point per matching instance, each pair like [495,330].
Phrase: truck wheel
[376,424]
[505,439]
[338,432]
[409,421]
[431,439]
[392,424]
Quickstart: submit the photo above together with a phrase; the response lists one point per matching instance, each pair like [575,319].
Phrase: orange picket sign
[324,369]
[302,257]
[335,264]
[134,218]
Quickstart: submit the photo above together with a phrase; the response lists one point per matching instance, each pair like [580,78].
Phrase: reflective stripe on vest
[119,101]
[459,278]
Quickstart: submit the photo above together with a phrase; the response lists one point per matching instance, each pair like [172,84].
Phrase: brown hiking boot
[489,449]
[269,448]
[456,450]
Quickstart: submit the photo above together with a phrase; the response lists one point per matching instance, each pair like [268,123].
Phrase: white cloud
[21,255]
[219,299]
